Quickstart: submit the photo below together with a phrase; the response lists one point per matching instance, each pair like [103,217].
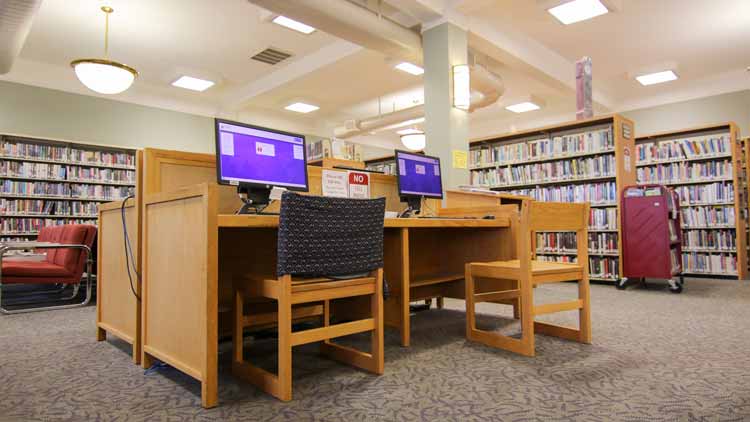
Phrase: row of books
[603,219]
[326,148]
[63,172]
[63,190]
[604,193]
[99,192]
[701,146]
[48,207]
[31,225]
[565,242]
[387,167]
[35,170]
[709,263]
[598,141]
[708,216]
[558,258]
[685,172]
[571,169]
[675,261]
[709,239]
[705,194]
[102,157]
[64,153]
[101,175]
[39,151]
[604,267]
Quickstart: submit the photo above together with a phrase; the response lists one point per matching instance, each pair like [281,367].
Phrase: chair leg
[285,341]
[584,314]
[527,316]
[376,337]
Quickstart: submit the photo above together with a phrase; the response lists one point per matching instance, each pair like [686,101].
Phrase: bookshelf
[387,164]
[580,161]
[327,148]
[704,165]
[49,182]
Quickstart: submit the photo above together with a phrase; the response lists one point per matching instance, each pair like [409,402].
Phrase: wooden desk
[194,251]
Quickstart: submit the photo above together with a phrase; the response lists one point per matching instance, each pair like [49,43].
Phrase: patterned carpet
[656,357]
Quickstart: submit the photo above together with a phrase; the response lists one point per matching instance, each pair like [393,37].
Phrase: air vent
[271,56]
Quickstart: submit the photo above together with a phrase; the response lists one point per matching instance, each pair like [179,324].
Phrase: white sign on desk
[335,183]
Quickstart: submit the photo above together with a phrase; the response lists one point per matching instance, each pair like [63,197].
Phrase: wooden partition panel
[174,313]
[118,312]
[117,307]
[157,170]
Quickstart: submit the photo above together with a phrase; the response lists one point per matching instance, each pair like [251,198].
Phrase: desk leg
[405,293]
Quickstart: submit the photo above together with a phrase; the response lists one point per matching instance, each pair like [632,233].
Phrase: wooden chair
[320,236]
[528,273]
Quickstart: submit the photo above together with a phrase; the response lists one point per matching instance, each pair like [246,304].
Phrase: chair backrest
[558,216]
[74,260]
[322,236]
[51,234]
[553,217]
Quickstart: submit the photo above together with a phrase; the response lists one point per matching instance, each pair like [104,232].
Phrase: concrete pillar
[446,127]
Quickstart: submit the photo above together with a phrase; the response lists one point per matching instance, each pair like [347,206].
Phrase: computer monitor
[256,159]
[418,177]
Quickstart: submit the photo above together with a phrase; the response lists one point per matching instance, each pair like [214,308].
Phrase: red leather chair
[64,264]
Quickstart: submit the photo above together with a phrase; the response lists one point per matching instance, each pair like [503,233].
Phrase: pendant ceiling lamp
[414,141]
[103,75]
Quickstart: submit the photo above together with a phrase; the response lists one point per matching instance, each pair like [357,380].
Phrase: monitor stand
[414,206]
[254,198]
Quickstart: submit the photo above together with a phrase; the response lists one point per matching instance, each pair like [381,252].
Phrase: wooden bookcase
[705,166]
[51,182]
[387,164]
[607,166]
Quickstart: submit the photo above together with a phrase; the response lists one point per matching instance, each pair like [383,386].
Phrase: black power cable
[129,249]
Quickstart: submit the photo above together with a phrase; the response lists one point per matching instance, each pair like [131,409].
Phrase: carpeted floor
[656,357]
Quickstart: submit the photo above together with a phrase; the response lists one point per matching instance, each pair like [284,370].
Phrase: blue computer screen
[419,175]
[254,155]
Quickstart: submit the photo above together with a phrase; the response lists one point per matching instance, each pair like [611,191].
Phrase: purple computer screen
[419,175]
[258,156]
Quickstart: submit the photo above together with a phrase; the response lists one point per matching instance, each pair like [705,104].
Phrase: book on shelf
[675,261]
[705,194]
[604,267]
[672,230]
[591,142]
[680,149]
[709,263]
[708,216]
[603,193]
[716,240]
[556,171]
[685,172]
[327,148]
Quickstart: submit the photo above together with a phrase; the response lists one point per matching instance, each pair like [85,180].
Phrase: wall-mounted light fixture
[461,87]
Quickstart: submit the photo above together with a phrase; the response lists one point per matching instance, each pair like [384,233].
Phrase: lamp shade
[414,141]
[104,76]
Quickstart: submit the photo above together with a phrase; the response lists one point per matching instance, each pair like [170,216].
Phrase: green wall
[734,107]
[47,113]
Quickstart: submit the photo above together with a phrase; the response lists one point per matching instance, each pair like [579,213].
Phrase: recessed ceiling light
[578,10]
[301,107]
[523,107]
[656,78]
[410,68]
[409,131]
[194,84]
[293,24]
